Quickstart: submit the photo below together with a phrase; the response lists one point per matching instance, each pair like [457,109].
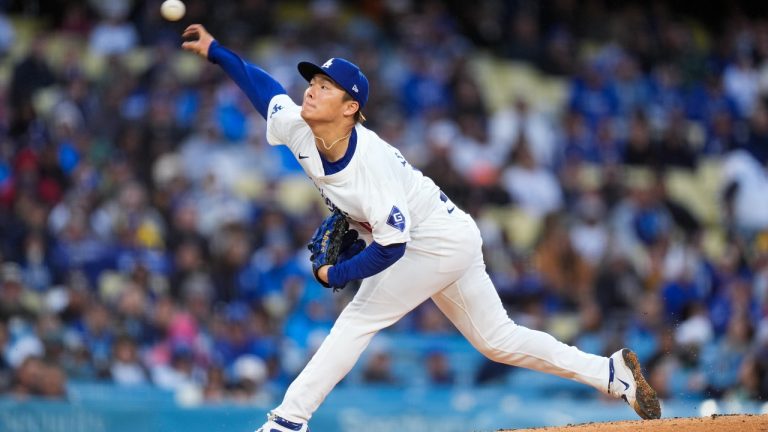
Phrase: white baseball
[172,10]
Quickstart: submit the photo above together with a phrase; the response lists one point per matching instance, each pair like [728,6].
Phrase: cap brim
[309,70]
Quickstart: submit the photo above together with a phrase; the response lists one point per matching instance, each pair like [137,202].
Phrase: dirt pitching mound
[736,423]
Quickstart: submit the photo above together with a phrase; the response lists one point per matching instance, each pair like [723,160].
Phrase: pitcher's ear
[352,107]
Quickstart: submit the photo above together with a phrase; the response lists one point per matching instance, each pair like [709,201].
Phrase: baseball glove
[332,243]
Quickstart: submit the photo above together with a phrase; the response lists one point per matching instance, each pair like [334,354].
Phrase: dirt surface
[737,423]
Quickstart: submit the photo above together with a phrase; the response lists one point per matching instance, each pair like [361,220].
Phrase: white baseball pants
[444,262]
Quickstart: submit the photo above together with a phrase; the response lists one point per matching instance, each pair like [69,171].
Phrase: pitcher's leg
[381,301]
[473,305]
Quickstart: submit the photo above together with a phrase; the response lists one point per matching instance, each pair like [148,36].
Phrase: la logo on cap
[354,89]
[328,64]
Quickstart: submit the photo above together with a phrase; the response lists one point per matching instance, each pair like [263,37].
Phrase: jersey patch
[275,109]
[396,219]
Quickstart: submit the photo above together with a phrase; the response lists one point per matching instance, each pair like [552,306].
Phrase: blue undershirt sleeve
[369,262]
[258,85]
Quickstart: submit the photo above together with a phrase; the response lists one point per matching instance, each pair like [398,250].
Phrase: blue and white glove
[333,243]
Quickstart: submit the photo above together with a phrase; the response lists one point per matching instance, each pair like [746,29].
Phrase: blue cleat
[275,423]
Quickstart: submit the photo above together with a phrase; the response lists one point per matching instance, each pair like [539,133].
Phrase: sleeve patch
[275,109]
[396,219]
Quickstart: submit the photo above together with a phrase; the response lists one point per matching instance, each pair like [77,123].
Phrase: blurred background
[154,271]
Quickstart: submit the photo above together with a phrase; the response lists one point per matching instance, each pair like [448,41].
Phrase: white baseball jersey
[378,189]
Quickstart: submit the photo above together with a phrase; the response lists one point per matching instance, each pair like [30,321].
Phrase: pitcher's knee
[492,352]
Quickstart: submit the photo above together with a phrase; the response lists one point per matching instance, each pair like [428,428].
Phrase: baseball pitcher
[419,244]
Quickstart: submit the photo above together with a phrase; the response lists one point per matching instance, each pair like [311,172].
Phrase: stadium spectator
[378,369]
[439,369]
[126,367]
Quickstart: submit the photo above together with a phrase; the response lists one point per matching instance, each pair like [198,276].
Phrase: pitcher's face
[324,101]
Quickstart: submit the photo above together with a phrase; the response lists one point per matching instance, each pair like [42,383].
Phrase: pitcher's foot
[626,381]
[275,423]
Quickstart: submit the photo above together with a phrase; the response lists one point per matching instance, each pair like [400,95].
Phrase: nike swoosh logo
[450,210]
[626,386]
[301,156]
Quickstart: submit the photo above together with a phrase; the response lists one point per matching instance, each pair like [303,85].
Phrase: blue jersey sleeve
[258,85]
[369,262]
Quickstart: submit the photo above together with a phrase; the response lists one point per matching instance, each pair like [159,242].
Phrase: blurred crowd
[150,236]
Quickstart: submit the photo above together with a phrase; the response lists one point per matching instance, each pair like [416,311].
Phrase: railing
[103,408]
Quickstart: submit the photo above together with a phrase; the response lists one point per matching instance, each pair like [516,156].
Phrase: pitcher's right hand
[197,40]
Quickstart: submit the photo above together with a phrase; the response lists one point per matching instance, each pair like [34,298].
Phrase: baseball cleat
[626,381]
[275,423]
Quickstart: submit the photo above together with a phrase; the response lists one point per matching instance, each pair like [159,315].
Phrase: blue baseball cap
[344,73]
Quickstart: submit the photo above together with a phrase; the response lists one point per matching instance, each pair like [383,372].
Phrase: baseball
[172,10]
